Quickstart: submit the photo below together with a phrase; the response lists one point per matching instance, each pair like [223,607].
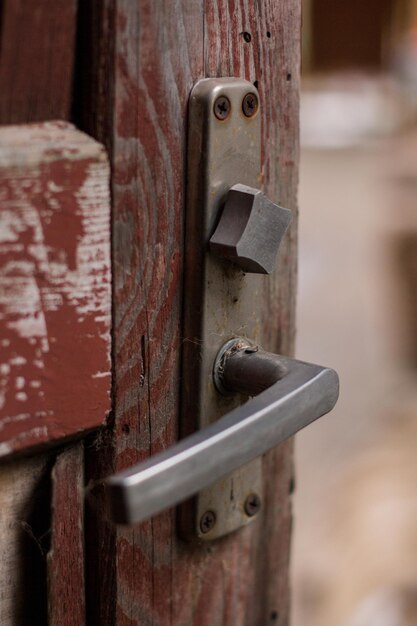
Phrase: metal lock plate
[220,299]
[233,232]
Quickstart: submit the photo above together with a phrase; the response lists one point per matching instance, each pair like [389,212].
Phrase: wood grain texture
[272,59]
[37,52]
[160,49]
[66,594]
[23,502]
[55,292]
[36,59]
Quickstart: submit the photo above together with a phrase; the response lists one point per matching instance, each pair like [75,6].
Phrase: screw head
[252,504]
[207,521]
[221,107]
[250,104]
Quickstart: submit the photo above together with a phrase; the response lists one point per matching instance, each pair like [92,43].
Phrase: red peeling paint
[55,289]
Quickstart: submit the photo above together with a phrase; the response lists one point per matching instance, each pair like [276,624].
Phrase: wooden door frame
[137,61]
[137,97]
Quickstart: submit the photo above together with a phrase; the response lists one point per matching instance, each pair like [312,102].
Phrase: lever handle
[298,393]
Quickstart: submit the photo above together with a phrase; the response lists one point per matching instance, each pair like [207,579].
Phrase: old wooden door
[122,71]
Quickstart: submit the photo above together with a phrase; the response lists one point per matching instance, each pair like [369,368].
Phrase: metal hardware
[222,107]
[250,230]
[250,104]
[299,396]
[220,299]
[252,504]
[207,521]
[242,367]
[222,303]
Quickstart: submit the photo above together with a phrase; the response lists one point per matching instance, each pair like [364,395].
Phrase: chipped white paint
[5,448]
[17,360]
[21,292]
[54,261]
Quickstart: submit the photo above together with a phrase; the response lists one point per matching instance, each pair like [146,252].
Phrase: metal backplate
[220,300]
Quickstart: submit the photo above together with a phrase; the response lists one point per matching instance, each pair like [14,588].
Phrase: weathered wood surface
[66,592]
[37,53]
[36,59]
[24,520]
[55,292]
[145,575]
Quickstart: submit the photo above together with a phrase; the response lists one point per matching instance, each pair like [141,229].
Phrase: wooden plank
[37,54]
[94,98]
[150,92]
[55,293]
[24,523]
[37,59]
[160,49]
[272,59]
[66,592]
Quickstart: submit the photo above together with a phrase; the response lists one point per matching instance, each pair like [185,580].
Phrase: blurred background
[354,552]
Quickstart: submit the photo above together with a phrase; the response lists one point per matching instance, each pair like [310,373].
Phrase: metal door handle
[292,394]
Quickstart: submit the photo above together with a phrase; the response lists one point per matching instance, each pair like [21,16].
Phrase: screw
[221,107]
[250,104]
[252,504]
[207,521]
